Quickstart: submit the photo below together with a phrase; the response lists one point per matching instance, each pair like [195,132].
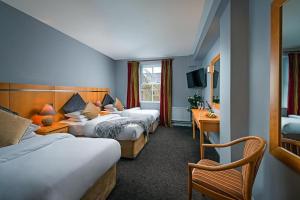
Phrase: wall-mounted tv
[196,78]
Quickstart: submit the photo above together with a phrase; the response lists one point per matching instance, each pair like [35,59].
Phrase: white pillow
[77,115]
[295,116]
[30,131]
[72,119]
[109,106]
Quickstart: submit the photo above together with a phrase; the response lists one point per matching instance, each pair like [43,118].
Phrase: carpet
[160,170]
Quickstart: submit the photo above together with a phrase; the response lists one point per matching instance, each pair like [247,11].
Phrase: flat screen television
[196,78]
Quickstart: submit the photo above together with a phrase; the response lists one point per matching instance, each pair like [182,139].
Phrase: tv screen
[196,78]
[190,80]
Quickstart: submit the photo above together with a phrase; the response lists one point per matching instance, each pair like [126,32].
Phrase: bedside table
[104,112]
[56,127]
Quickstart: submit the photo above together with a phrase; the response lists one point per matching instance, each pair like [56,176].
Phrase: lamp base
[47,121]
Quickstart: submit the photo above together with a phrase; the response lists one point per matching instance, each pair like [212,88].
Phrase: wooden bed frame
[27,100]
[130,149]
[154,126]
[103,187]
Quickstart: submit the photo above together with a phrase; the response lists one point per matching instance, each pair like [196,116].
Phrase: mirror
[214,70]
[290,77]
[285,82]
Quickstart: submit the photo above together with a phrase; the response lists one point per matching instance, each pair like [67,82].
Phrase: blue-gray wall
[275,180]
[181,65]
[215,50]
[32,52]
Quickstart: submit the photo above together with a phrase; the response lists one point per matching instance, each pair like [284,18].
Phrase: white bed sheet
[87,129]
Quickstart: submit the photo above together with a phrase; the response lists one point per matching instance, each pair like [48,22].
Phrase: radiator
[180,114]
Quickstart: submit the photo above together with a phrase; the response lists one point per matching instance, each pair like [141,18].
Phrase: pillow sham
[30,131]
[119,105]
[295,116]
[12,128]
[91,111]
[107,100]
[77,120]
[75,103]
[77,115]
[110,108]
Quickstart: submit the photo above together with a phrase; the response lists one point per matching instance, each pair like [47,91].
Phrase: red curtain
[294,84]
[166,93]
[133,99]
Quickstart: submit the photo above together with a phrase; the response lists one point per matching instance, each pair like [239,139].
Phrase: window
[150,81]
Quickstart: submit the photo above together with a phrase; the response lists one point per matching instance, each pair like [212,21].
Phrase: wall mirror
[285,82]
[214,70]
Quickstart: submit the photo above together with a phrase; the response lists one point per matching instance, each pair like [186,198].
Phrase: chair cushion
[227,182]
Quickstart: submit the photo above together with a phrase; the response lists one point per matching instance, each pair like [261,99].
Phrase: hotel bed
[290,127]
[132,138]
[58,166]
[151,115]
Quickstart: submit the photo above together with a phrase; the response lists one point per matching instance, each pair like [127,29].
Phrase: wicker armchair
[223,181]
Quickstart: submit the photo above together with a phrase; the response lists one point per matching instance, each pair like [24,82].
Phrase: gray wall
[215,49]
[32,52]
[180,89]
[275,180]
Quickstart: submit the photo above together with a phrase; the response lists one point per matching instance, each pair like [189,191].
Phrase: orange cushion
[227,182]
[119,105]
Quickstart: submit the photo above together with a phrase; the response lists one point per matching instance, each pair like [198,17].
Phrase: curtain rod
[145,60]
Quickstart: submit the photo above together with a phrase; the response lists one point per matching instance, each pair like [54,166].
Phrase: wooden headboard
[28,99]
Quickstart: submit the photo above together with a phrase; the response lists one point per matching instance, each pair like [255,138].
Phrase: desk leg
[201,142]
[194,129]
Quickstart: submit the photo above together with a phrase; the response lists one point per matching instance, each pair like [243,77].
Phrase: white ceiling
[123,29]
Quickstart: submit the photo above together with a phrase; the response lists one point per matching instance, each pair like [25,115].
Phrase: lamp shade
[48,110]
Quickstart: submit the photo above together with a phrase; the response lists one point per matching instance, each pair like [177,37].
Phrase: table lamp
[47,112]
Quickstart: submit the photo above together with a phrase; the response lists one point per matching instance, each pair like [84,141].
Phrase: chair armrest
[223,167]
[229,143]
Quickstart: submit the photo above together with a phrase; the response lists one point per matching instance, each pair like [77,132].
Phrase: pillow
[107,100]
[119,105]
[76,103]
[91,111]
[77,115]
[12,128]
[8,110]
[30,131]
[295,116]
[110,108]
[77,120]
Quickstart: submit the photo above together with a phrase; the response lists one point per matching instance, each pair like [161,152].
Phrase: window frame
[142,66]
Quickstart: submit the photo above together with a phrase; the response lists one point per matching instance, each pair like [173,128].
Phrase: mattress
[87,129]
[152,115]
[55,166]
[290,127]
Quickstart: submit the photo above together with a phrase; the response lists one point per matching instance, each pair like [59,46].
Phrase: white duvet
[55,166]
[87,129]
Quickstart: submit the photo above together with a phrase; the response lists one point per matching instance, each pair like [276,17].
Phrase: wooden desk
[205,124]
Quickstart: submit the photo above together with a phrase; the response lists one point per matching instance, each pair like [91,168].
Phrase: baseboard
[181,123]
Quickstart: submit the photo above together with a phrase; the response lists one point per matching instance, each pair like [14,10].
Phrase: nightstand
[56,127]
[104,112]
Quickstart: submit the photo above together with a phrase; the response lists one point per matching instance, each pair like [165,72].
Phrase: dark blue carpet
[160,170]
